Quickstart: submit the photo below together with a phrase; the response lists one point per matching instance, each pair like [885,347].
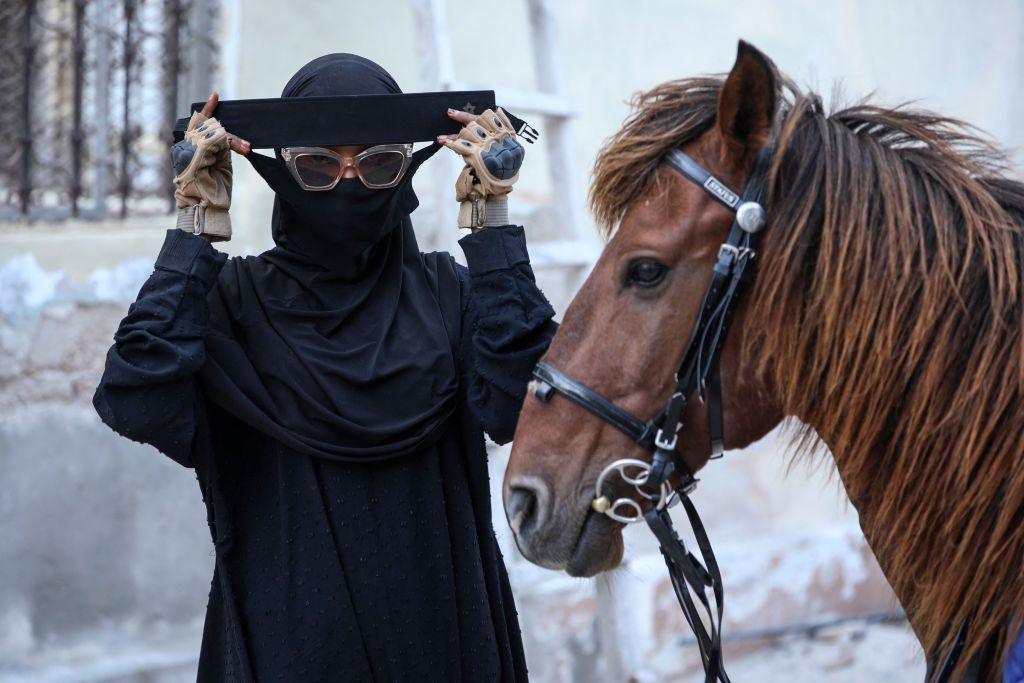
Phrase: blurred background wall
[105,556]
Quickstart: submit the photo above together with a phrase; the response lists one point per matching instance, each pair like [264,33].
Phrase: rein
[697,374]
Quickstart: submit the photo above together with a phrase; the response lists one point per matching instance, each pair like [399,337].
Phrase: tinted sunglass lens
[317,170]
[381,168]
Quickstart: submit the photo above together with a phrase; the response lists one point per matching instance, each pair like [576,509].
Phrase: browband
[350,119]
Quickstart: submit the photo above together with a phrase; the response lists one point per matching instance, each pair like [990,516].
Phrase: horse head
[624,333]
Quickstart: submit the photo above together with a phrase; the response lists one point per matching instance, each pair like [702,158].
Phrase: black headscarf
[338,342]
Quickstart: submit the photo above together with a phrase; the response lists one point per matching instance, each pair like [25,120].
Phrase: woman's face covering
[332,227]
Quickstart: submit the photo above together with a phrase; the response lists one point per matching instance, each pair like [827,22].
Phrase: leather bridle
[698,370]
[698,375]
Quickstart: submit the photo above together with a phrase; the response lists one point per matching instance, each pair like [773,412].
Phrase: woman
[332,394]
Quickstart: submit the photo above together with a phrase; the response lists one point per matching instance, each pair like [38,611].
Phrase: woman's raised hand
[493,156]
[202,164]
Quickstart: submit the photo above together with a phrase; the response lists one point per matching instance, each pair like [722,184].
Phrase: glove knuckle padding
[181,155]
[503,159]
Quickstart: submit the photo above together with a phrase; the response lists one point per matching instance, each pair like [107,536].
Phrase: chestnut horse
[885,316]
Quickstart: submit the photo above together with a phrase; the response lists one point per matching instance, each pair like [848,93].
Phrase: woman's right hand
[202,184]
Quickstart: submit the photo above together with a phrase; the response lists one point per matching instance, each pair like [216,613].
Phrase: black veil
[338,342]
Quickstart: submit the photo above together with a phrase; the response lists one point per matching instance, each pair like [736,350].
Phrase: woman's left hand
[493,156]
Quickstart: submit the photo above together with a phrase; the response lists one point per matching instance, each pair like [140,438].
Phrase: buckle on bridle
[728,253]
[663,443]
[733,253]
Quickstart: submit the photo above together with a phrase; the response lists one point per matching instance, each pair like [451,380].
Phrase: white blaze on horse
[885,315]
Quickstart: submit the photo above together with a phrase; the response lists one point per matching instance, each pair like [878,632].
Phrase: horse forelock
[887,312]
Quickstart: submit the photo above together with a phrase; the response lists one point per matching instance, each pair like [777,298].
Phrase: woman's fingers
[239,145]
[453,143]
[211,104]
[236,143]
[462,117]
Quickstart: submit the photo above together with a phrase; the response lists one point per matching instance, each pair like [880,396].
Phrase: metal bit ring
[617,510]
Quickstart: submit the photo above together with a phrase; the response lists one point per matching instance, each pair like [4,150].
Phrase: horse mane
[887,313]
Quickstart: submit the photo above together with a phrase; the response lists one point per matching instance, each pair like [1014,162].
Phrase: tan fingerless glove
[493,157]
[202,188]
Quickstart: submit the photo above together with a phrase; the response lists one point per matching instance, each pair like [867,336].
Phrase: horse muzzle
[560,535]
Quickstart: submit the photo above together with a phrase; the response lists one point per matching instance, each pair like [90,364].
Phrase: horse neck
[935,515]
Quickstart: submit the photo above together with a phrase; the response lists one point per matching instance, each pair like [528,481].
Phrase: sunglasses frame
[292,154]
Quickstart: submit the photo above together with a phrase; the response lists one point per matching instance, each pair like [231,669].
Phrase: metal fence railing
[92,88]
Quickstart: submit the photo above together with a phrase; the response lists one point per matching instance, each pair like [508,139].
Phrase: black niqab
[342,336]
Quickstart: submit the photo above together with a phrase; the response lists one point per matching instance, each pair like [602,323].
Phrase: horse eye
[646,273]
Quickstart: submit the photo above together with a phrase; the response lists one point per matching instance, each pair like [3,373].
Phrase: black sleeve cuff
[495,248]
[191,255]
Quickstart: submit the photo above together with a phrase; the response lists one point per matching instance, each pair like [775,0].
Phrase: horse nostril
[524,506]
[521,506]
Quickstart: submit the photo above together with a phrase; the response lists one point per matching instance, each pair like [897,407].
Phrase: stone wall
[106,556]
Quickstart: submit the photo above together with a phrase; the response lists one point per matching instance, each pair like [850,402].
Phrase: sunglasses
[316,168]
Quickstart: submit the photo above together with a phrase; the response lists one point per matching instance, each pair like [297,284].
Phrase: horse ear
[746,105]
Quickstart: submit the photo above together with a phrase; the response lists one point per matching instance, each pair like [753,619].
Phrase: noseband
[698,375]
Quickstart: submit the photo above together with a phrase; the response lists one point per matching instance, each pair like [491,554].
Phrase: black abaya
[331,570]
